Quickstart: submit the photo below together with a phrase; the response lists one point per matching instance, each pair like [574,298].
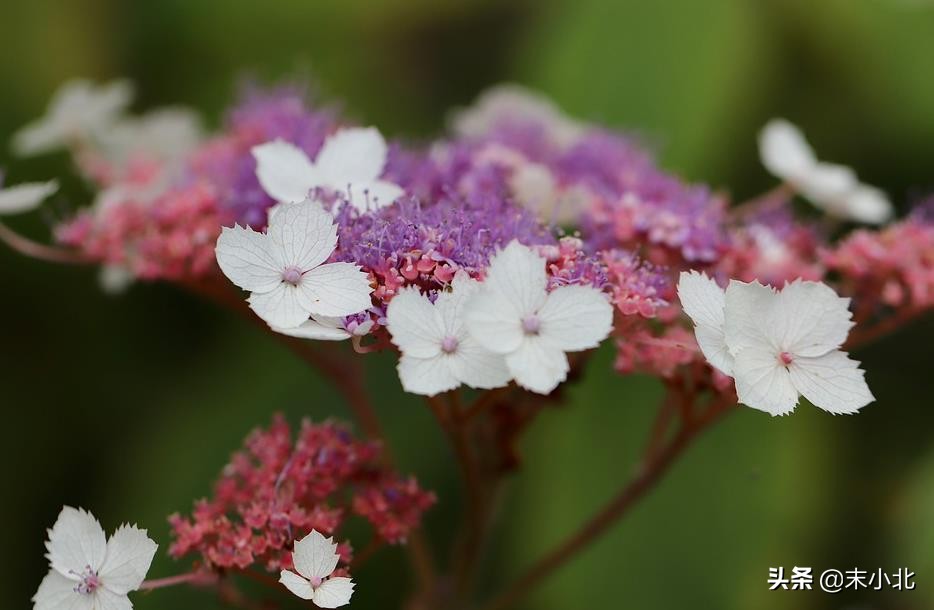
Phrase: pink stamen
[786,358]
[292,275]
[449,345]
[316,581]
[89,582]
[531,324]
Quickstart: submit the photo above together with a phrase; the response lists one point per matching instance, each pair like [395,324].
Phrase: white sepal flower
[514,315]
[89,572]
[438,354]
[79,109]
[833,188]
[350,162]
[164,134]
[782,344]
[284,268]
[315,559]
[509,103]
[324,328]
[25,197]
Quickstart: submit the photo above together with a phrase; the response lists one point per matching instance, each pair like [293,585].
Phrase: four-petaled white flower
[777,345]
[283,268]
[89,572]
[831,187]
[350,162]
[514,315]
[315,559]
[438,354]
[79,109]
[25,197]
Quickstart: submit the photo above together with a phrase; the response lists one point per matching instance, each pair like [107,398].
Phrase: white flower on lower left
[315,559]
[89,572]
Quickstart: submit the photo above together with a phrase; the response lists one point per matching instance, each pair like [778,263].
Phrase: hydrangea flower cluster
[278,489]
[495,258]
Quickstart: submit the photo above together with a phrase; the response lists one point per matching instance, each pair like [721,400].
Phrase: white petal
[744,315]
[450,303]
[315,556]
[284,171]
[334,592]
[76,541]
[108,600]
[784,151]
[316,330]
[576,318]
[810,319]
[281,307]
[303,234]
[296,584]
[37,138]
[763,383]
[538,366]
[58,593]
[415,325]
[518,273]
[493,322]
[869,205]
[712,343]
[115,279]
[827,186]
[426,376]
[368,196]
[129,555]
[25,197]
[78,109]
[478,367]
[336,289]
[351,156]
[246,259]
[832,382]
[701,298]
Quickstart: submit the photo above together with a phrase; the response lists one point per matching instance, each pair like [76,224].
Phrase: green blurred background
[129,406]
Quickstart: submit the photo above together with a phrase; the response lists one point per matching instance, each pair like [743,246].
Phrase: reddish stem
[33,249]
[647,475]
[199,578]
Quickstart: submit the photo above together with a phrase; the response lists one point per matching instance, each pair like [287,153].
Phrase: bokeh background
[129,406]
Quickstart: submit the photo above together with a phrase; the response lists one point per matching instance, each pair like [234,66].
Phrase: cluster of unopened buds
[491,261]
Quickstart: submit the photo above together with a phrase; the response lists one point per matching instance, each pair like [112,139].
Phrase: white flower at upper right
[777,344]
[514,315]
[831,187]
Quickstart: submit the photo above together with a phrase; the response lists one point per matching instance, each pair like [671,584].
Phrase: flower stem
[193,578]
[647,475]
[33,249]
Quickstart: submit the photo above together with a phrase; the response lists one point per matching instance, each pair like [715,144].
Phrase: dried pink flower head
[276,490]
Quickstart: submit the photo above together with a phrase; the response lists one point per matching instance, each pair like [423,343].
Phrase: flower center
[531,324]
[449,345]
[89,581]
[786,358]
[316,581]
[292,275]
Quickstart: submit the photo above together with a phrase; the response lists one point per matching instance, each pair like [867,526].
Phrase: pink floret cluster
[277,489]
[592,201]
[893,267]
[169,238]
